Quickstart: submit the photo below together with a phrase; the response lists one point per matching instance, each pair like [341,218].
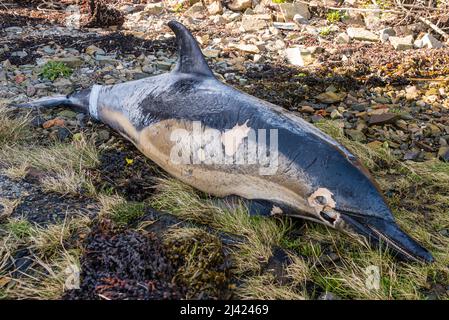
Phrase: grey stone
[386,33]
[362,34]
[285,25]
[289,10]
[240,5]
[402,43]
[299,57]
[342,38]
[251,23]
[431,42]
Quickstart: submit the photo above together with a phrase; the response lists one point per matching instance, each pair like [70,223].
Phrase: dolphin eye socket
[321,200]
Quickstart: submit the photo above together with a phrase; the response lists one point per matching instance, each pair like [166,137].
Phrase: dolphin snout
[386,233]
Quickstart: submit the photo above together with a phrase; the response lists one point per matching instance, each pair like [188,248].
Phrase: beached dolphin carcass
[195,128]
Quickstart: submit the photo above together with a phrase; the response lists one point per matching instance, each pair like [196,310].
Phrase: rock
[431,130]
[148,69]
[215,8]
[443,153]
[336,115]
[307,109]
[411,155]
[73,62]
[103,135]
[358,107]
[229,76]
[194,10]
[299,57]
[106,59]
[330,97]
[14,30]
[240,5]
[211,53]
[92,50]
[154,8]
[164,65]
[379,119]
[251,23]
[417,44]
[300,20]
[402,43]
[411,93]
[342,38]
[243,81]
[386,33]
[37,121]
[289,10]
[48,50]
[53,122]
[328,296]
[128,9]
[316,50]
[20,54]
[63,134]
[218,19]
[250,48]
[430,42]
[285,25]
[356,135]
[69,114]
[316,118]
[362,34]
[63,84]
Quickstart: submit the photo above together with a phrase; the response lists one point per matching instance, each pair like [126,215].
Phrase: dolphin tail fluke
[78,100]
[191,59]
[47,102]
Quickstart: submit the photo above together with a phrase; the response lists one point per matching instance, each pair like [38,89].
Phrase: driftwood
[424,20]
[434,27]
[414,11]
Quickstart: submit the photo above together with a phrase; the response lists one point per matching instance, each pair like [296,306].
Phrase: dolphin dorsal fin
[190,57]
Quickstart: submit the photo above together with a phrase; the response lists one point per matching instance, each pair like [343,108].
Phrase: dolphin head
[344,196]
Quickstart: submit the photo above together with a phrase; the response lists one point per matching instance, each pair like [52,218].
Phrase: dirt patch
[47,208]
[41,207]
[127,173]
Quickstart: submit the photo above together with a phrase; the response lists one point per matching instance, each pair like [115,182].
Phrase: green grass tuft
[126,212]
[53,70]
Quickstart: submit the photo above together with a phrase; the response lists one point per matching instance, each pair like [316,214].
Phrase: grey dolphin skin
[305,173]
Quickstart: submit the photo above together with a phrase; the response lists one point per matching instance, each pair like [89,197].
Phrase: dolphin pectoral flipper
[191,59]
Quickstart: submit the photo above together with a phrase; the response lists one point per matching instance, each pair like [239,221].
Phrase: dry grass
[9,206]
[16,173]
[259,234]
[65,165]
[12,129]
[264,287]
[54,254]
